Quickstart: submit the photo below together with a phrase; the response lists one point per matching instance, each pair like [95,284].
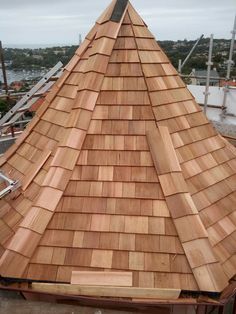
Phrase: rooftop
[123,177]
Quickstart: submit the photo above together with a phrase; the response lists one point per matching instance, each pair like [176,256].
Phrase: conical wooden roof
[121,171]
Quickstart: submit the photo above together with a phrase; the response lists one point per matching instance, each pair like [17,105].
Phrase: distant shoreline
[39,56]
[37,46]
[20,75]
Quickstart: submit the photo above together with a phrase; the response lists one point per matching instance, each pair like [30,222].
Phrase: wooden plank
[173,183]
[189,227]
[106,15]
[134,16]
[210,277]
[162,151]
[102,258]
[34,169]
[104,291]
[102,278]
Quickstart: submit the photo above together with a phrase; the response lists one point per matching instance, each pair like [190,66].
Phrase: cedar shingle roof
[121,171]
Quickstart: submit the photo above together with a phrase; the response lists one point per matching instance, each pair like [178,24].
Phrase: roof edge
[206,268]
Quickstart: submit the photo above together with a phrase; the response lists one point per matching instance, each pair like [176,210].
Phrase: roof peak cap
[118,10]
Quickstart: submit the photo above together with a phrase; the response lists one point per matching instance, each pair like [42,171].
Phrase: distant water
[36,46]
[22,75]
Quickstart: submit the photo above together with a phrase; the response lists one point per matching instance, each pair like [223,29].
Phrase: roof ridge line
[175,168]
[45,105]
[193,236]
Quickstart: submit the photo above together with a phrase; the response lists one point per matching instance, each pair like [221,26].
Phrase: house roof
[214,76]
[228,83]
[121,171]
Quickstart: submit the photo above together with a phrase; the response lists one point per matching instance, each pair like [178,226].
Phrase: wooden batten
[94,278]
[104,291]
[163,152]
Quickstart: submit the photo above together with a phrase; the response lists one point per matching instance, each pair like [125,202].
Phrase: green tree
[3,107]
[218,58]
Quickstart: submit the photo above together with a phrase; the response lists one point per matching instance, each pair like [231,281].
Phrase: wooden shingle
[121,173]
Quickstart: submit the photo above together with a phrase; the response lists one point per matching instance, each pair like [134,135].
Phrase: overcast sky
[48,22]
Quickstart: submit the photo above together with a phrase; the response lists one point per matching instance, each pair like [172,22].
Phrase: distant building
[224,53]
[16,86]
[200,77]
[60,51]
[228,83]
[37,57]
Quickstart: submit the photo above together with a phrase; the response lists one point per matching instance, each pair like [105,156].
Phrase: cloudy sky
[48,22]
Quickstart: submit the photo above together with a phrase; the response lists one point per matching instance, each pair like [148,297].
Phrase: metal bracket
[12,185]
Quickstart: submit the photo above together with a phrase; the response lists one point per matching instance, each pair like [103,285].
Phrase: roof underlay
[121,171]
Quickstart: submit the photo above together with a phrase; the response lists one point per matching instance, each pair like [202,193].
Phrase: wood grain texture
[116,279]
[160,141]
[138,181]
[35,169]
[148,293]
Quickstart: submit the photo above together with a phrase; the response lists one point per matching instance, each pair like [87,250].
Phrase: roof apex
[118,10]
[157,210]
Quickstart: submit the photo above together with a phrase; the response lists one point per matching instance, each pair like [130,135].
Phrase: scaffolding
[208,77]
[11,185]
[230,63]
[209,64]
[12,117]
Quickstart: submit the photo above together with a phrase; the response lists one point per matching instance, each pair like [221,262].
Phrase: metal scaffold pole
[4,74]
[181,65]
[230,63]
[209,64]
[3,68]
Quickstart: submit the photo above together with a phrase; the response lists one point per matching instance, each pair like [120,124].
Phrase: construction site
[118,194]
